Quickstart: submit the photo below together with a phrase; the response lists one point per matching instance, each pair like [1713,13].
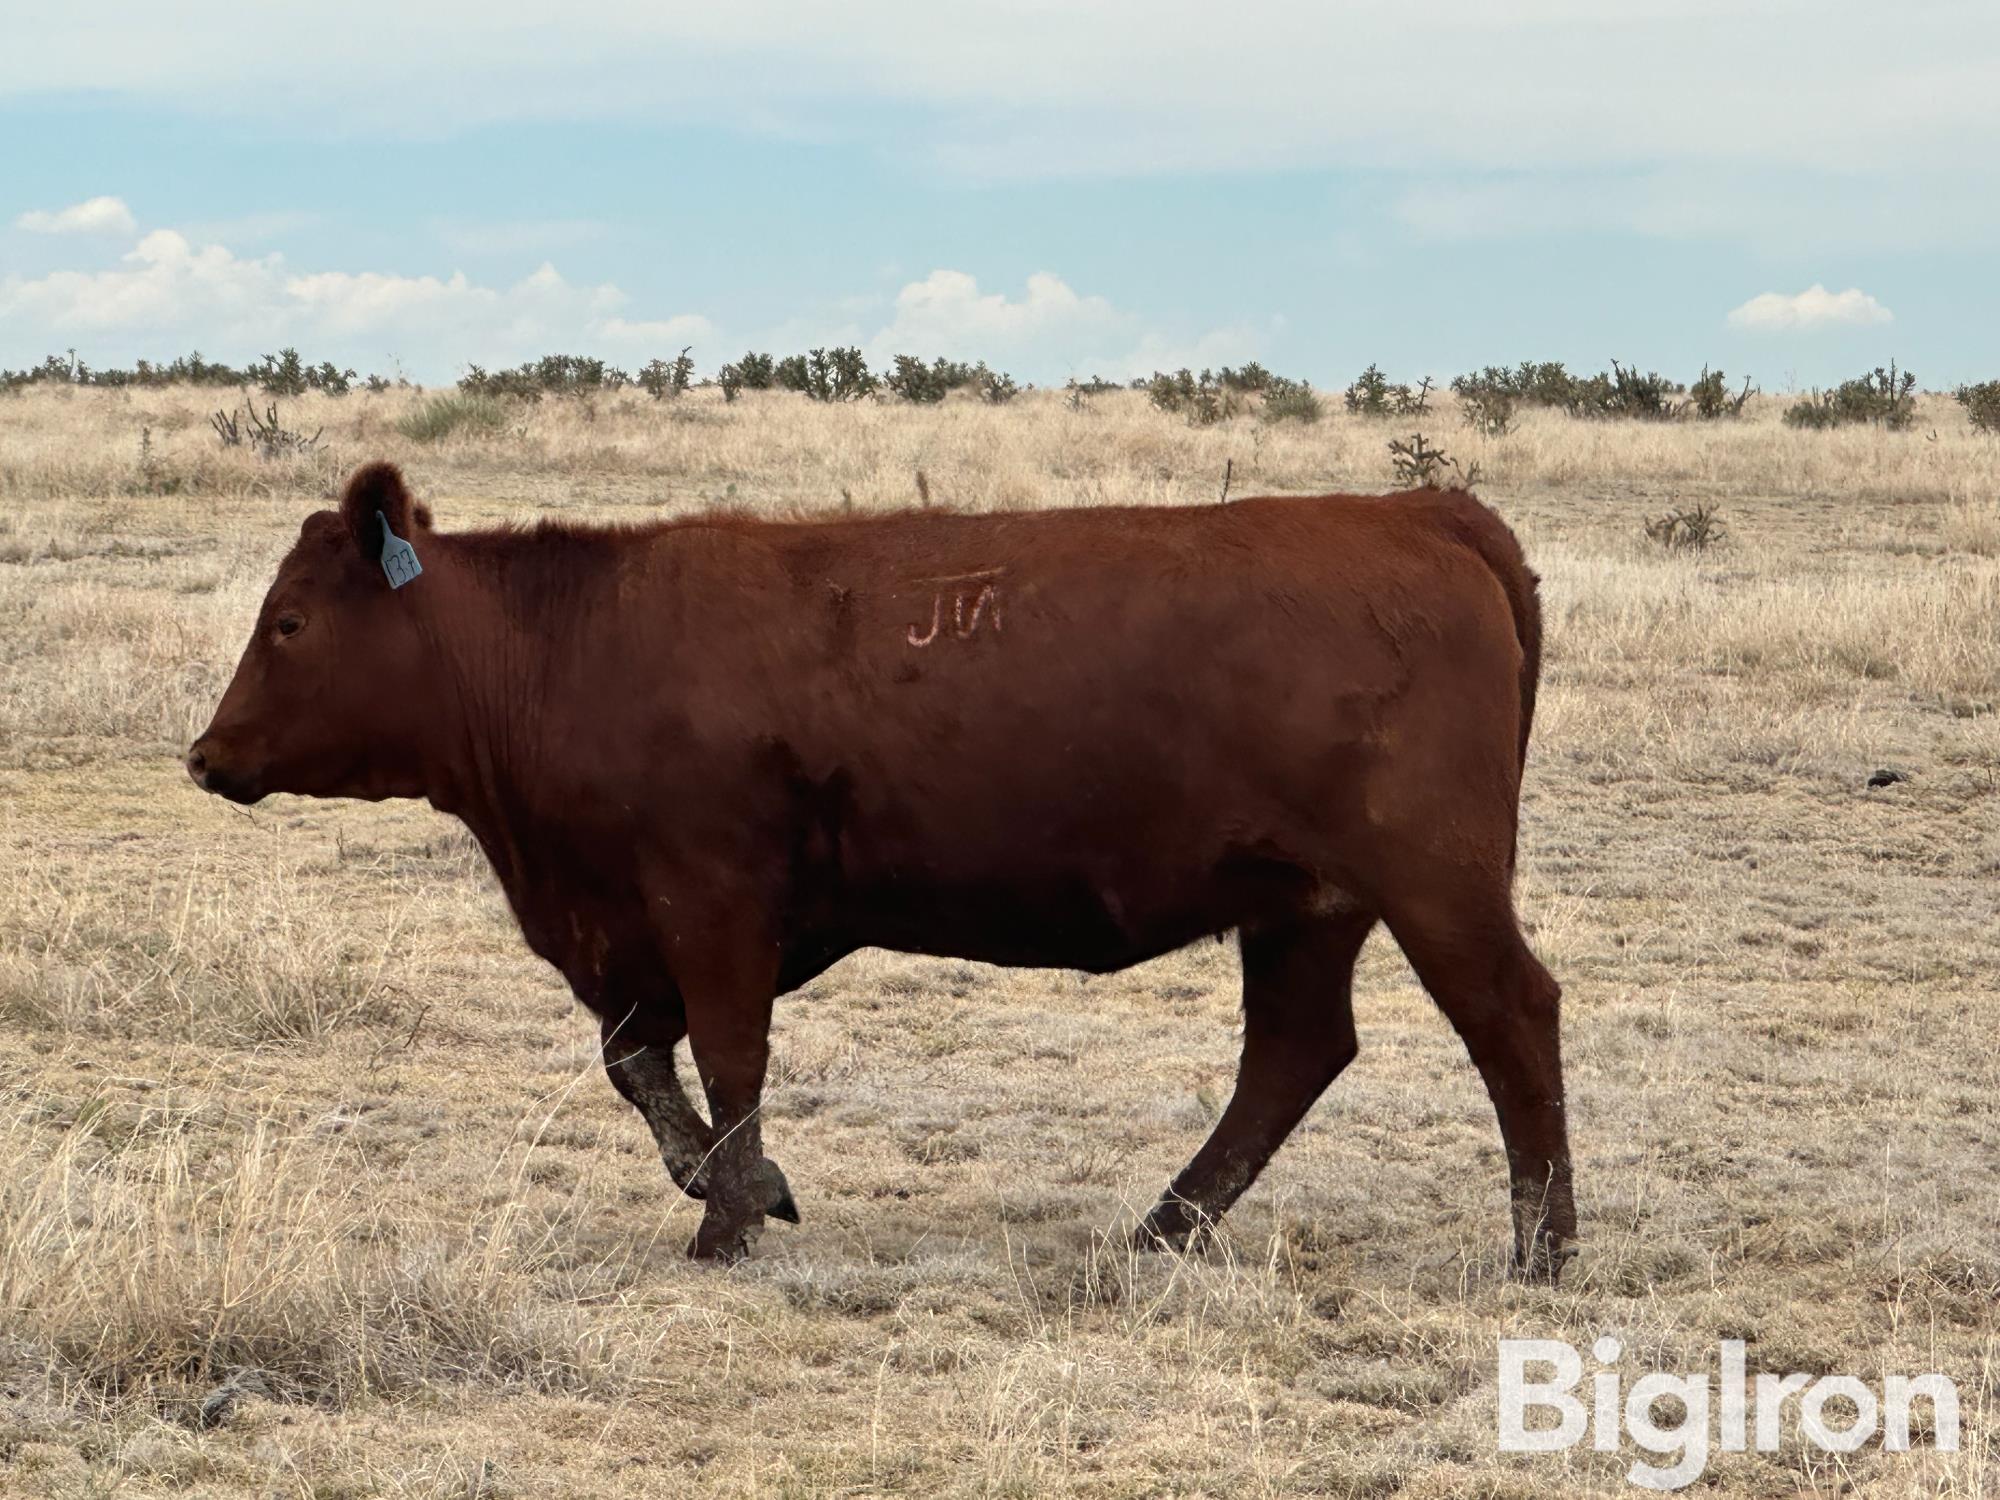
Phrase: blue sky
[1794,190]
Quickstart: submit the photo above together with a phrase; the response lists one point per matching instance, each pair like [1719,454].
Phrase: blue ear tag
[399,558]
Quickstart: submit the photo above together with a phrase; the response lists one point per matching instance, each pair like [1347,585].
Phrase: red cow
[709,757]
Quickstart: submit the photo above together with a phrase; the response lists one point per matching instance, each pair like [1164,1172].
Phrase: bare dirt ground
[311,1185]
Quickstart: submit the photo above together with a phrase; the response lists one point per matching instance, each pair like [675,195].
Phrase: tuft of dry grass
[295,1133]
[261,1259]
[1973,526]
[221,961]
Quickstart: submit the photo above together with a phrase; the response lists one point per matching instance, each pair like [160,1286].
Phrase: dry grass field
[311,1184]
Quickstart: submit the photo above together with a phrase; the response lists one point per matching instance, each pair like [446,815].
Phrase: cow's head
[330,696]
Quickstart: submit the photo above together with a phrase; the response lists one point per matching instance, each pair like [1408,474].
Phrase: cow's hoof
[723,1244]
[1543,1264]
[775,1193]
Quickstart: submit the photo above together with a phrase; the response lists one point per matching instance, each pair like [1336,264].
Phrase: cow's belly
[1035,932]
[1096,920]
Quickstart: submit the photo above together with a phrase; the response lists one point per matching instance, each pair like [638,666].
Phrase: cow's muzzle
[211,777]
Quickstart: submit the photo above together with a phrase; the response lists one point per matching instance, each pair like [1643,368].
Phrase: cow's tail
[1481,529]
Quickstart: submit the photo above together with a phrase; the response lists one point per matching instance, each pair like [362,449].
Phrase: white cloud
[1815,307]
[1573,90]
[662,334]
[947,314]
[1119,85]
[1049,331]
[167,294]
[163,282]
[92,216]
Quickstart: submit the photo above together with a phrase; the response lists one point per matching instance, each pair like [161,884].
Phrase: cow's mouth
[232,789]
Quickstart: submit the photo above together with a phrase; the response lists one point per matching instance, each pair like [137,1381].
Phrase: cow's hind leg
[1459,933]
[729,1022]
[1298,1033]
[639,1060]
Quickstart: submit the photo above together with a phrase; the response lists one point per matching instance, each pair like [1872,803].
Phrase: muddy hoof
[775,1193]
[722,1244]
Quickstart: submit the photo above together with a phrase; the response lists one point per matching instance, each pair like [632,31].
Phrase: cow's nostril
[197,763]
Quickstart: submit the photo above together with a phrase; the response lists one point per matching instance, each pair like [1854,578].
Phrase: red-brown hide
[709,757]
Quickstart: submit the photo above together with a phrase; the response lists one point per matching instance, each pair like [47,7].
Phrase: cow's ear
[376,492]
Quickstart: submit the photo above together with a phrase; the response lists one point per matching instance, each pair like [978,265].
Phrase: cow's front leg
[729,1031]
[639,1060]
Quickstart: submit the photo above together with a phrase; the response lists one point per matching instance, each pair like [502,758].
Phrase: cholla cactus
[1203,399]
[1886,398]
[1417,465]
[663,380]
[1982,405]
[1710,398]
[1290,401]
[828,374]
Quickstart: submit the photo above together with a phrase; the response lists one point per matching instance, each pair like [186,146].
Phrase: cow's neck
[499,763]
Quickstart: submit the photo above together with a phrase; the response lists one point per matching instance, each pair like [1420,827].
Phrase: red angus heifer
[709,757]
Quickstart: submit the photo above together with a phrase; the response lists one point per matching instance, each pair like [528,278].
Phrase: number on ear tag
[399,558]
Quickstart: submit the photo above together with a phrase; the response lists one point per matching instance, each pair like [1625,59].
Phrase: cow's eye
[291,624]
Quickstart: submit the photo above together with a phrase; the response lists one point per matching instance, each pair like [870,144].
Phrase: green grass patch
[438,417]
